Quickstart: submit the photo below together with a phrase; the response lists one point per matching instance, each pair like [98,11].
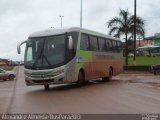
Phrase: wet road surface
[126,93]
[6,93]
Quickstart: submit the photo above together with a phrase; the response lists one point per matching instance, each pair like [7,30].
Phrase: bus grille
[43,81]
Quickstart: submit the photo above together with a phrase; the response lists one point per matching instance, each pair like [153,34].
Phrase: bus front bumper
[59,79]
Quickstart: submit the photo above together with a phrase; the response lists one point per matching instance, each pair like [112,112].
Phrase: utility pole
[135,10]
[81,15]
[61,20]
[139,40]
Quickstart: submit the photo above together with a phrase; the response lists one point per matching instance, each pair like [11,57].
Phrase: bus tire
[105,79]
[157,72]
[46,87]
[154,72]
[81,78]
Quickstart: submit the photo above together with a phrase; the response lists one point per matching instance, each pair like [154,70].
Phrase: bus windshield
[46,52]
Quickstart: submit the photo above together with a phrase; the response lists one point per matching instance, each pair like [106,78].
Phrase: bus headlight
[56,73]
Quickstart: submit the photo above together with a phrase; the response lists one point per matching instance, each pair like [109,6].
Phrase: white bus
[70,55]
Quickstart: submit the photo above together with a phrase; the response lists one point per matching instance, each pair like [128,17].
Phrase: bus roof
[53,31]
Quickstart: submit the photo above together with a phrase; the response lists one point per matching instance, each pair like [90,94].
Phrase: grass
[144,61]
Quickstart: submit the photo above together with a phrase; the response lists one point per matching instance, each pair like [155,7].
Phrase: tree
[124,25]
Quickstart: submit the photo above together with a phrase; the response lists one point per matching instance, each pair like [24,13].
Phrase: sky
[20,18]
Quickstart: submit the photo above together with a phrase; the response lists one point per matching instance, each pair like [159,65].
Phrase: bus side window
[108,45]
[84,45]
[71,53]
[114,45]
[93,43]
[119,46]
[102,46]
[75,40]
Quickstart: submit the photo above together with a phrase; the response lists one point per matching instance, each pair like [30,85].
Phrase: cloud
[20,18]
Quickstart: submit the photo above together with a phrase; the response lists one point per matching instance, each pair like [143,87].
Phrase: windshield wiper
[43,57]
[47,60]
[41,54]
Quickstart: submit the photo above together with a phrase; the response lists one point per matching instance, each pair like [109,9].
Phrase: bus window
[93,43]
[114,45]
[29,54]
[84,42]
[71,53]
[75,39]
[102,46]
[108,45]
[119,46]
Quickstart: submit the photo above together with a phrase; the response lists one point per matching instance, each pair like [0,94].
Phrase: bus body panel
[97,64]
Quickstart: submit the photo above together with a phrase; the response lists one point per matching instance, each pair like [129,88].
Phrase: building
[145,41]
[157,39]
[4,61]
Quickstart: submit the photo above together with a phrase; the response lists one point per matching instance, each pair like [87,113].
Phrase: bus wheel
[46,87]
[81,78]
[157,72]
[105,79]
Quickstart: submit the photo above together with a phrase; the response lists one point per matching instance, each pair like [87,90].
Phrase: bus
[70,55]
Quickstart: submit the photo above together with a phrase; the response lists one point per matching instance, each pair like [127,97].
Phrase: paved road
[6,93]
[124,94]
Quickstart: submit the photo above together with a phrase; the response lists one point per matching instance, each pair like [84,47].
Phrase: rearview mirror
[70,42]
[19,47]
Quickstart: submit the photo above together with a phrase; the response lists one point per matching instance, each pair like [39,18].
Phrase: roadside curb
[137,68]
[12,93]
[135,72]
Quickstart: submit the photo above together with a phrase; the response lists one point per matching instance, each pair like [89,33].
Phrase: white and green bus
[70,55]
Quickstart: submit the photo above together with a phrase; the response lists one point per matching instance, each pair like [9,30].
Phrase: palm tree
[124,25]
